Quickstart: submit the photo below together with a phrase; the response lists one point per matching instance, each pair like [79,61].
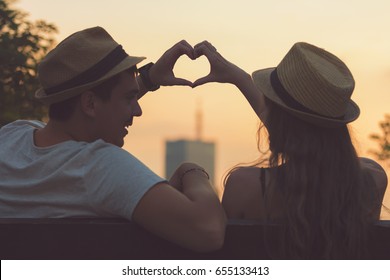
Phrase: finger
[199,44]
[169,58]
[204,49]
[181,48]
[210,46]
[181,82]
[202,81]
[199,49]
[207,44]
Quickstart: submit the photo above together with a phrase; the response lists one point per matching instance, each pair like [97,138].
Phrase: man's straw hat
[311,84]
[80,62]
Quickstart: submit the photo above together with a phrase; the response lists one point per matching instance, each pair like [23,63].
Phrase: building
[191,150]
[197,151]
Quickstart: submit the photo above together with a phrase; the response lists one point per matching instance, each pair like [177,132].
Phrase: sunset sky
[253,34]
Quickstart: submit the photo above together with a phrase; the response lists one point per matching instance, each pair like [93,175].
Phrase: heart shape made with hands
[191,70]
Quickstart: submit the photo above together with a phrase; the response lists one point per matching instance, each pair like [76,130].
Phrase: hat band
[290,101]
[92,74]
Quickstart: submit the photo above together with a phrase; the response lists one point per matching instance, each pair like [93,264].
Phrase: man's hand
[162,71]
[177,177]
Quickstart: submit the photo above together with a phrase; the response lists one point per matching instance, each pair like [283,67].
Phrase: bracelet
[144,73]
[193,169]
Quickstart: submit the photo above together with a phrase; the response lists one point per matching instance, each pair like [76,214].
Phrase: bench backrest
[120,239]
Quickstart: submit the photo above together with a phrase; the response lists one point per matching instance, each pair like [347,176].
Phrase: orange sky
[253,34]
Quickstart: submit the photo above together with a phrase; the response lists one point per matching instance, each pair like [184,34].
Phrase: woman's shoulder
[241,185]
[244,175]
[376,171]
[373,167]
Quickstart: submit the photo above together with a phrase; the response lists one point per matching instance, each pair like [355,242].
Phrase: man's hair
[62,111]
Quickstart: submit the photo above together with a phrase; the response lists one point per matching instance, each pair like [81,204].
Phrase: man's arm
[186,211]
[189,214]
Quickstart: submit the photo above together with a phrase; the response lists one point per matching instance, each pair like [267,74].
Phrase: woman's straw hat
[80,62]
[311,84]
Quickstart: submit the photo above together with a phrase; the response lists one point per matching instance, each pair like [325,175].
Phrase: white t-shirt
[70,179]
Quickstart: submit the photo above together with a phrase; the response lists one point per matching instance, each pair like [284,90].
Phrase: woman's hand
[221,70]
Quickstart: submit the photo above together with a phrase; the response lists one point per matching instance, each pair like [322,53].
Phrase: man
[73,166]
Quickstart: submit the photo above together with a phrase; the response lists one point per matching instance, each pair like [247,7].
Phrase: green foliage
[383,140]
[22,45]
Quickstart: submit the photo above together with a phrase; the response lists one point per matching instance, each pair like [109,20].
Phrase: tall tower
[186,150]
[198,121]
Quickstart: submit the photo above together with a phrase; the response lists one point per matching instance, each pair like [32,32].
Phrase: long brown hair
[323,186]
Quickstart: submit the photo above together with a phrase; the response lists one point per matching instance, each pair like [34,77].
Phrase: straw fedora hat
[312,85]
[80,62]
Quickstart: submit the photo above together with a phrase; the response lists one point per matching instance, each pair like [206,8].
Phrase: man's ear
[88,103]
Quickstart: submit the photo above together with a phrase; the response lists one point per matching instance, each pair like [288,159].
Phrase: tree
[22,45]
[383,140]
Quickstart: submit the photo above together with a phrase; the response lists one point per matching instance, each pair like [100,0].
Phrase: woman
[314,183]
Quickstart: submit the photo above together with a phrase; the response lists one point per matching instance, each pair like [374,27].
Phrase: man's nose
[137,111]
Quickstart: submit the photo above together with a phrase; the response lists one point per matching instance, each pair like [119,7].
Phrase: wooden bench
[119,239]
